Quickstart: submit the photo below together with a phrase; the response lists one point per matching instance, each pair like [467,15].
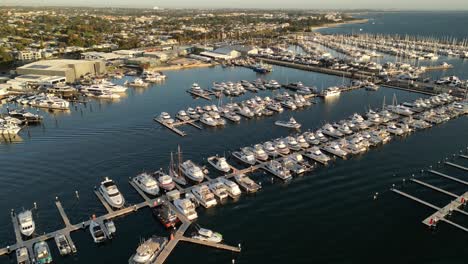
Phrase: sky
[266,4]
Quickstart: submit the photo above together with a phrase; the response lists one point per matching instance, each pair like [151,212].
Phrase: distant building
[70,69]
[223,53]
[29,55]
[93,55]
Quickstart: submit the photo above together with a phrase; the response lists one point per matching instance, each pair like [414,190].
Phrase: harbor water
[326,216]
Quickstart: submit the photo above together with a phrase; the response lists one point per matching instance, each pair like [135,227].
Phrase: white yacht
[192,113]
[196,88]
[97,232]
[164,180]
[192,171]
[275,107]
[302,142]
[273,85]
[182,115]
[42,253]
[248,184]
[148,250]
[331,91]
[245,155]
[260,153]
[270,149]
[289,104]
[137,82]
[329,130]
[289,124]
[310,138]
[320,136]
[231,187]
[219,163]
[393,129]
[292,143]
[9,129]
[275,168]
[146,183]
[334,148]
[373,117]
[246,112]
[187,208]
[281,147]
[401,110]
[208,120]
[344,129]
[204,196]
[371,87]
[208,235]
[26,223]
[219,190]
[22,256]
[165,118]
[111,193]
[316,154]
[115,88]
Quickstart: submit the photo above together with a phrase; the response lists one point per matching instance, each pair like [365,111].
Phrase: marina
[139,164]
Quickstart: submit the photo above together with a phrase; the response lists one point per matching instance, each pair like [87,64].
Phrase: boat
[204,196]
[270,149]
[174,169]
[334,148]
[146,183]
[219,190]
[204,234]
[289,124]
[27,116]
[22,256]
[192,171]
[245,155]
[148,250]
[42,253]
[302,142]
[281,147]
[231,116]
[192,113]
[289,104]
[274,106]
[219,163]
[274,167]
[166,215]
[371,87]
[393,129]
[231,187]
[259,152]
[165,118]
[310,138]
[272,84]
[26,223]
[63,244]
[164,180]
[295,163]
[137,82]
[111,193]
[187,208]
[329,130]
[331,92]
[315,154]
[110,227]
[246,183]
[208,120]
[182,115]
[292,143]
[97,232]
[196,89]
[246,112]
[321,136]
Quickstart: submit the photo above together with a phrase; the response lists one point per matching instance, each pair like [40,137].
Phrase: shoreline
[358,21]
[181,67]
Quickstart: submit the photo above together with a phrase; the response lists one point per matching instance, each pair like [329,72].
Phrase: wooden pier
[205,95]
[171,127]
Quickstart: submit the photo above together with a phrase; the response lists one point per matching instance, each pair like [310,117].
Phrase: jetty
[441,213]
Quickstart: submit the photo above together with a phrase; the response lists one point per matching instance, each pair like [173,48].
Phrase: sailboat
[174,170]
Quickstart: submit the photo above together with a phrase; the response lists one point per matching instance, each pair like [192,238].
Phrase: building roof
[52,64]
[38,78]
[224,50]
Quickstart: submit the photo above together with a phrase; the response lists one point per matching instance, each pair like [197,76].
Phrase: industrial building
[70,69]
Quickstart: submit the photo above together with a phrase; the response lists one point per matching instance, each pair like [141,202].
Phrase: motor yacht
[182,115]
[344,129]
[316,154]
[393,129]
[192,171]
[137,82]
[192,113]
[334,148]
[302,142]
[291,165]
[270,149]
[246,112]
[97,232]
[164,180]
[289,104]
[26,223]
[274,167]
[204,234]
[42,253]
[229,115]
[246,183]
[245,155]
[148,250]
[331,92]
[329,130]
[289,124]
[219,163]
[111,193]
[165,118]
[281,147]
[401,110]
[275,107]
[22,256]
[63,244]
[146,183]
[259,152]
[208,120]
[273,85]
[292,143]
[196,88]
[310,138]
[219,190]
[187,208]
[320,136]
[231,187]
[373,117]
[166,215]
[204,196]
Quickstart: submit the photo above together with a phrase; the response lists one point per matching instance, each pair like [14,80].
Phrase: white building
[29,55]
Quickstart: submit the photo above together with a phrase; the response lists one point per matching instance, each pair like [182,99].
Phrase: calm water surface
[327,216]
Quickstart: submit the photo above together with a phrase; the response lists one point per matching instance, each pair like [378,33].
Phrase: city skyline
[260,4]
